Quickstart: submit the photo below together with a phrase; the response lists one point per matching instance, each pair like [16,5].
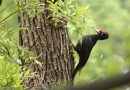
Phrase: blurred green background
[108,57]
[111,56]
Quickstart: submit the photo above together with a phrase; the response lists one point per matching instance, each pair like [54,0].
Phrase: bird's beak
[96,30]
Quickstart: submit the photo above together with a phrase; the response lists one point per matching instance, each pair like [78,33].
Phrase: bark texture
[54,48]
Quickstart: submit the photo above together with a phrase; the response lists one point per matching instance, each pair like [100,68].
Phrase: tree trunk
[53,47]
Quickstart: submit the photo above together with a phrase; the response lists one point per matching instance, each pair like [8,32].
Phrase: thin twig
[21,10]
[8,16]
[6,7]
[8,53]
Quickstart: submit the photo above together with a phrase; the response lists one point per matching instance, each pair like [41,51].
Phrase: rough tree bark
[54,48]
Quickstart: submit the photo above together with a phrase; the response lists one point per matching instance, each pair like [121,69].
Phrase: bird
[85,46]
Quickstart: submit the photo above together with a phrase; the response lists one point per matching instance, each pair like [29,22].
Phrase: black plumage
[84,47]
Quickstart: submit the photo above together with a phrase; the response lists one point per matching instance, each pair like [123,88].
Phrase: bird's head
[102,33]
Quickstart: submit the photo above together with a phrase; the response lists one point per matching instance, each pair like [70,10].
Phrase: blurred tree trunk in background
[53,47]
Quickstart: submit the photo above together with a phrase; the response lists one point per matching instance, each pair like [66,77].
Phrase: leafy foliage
[77,18]
[10,76]
[10,51]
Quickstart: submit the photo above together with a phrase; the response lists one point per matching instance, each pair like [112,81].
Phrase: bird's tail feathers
[77,69]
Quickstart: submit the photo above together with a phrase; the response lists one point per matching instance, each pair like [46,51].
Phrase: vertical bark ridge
[53,48]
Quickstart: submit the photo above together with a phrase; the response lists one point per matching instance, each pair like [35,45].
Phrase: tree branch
[105,84]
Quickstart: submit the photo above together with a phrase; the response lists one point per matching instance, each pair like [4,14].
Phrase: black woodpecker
[84,47]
